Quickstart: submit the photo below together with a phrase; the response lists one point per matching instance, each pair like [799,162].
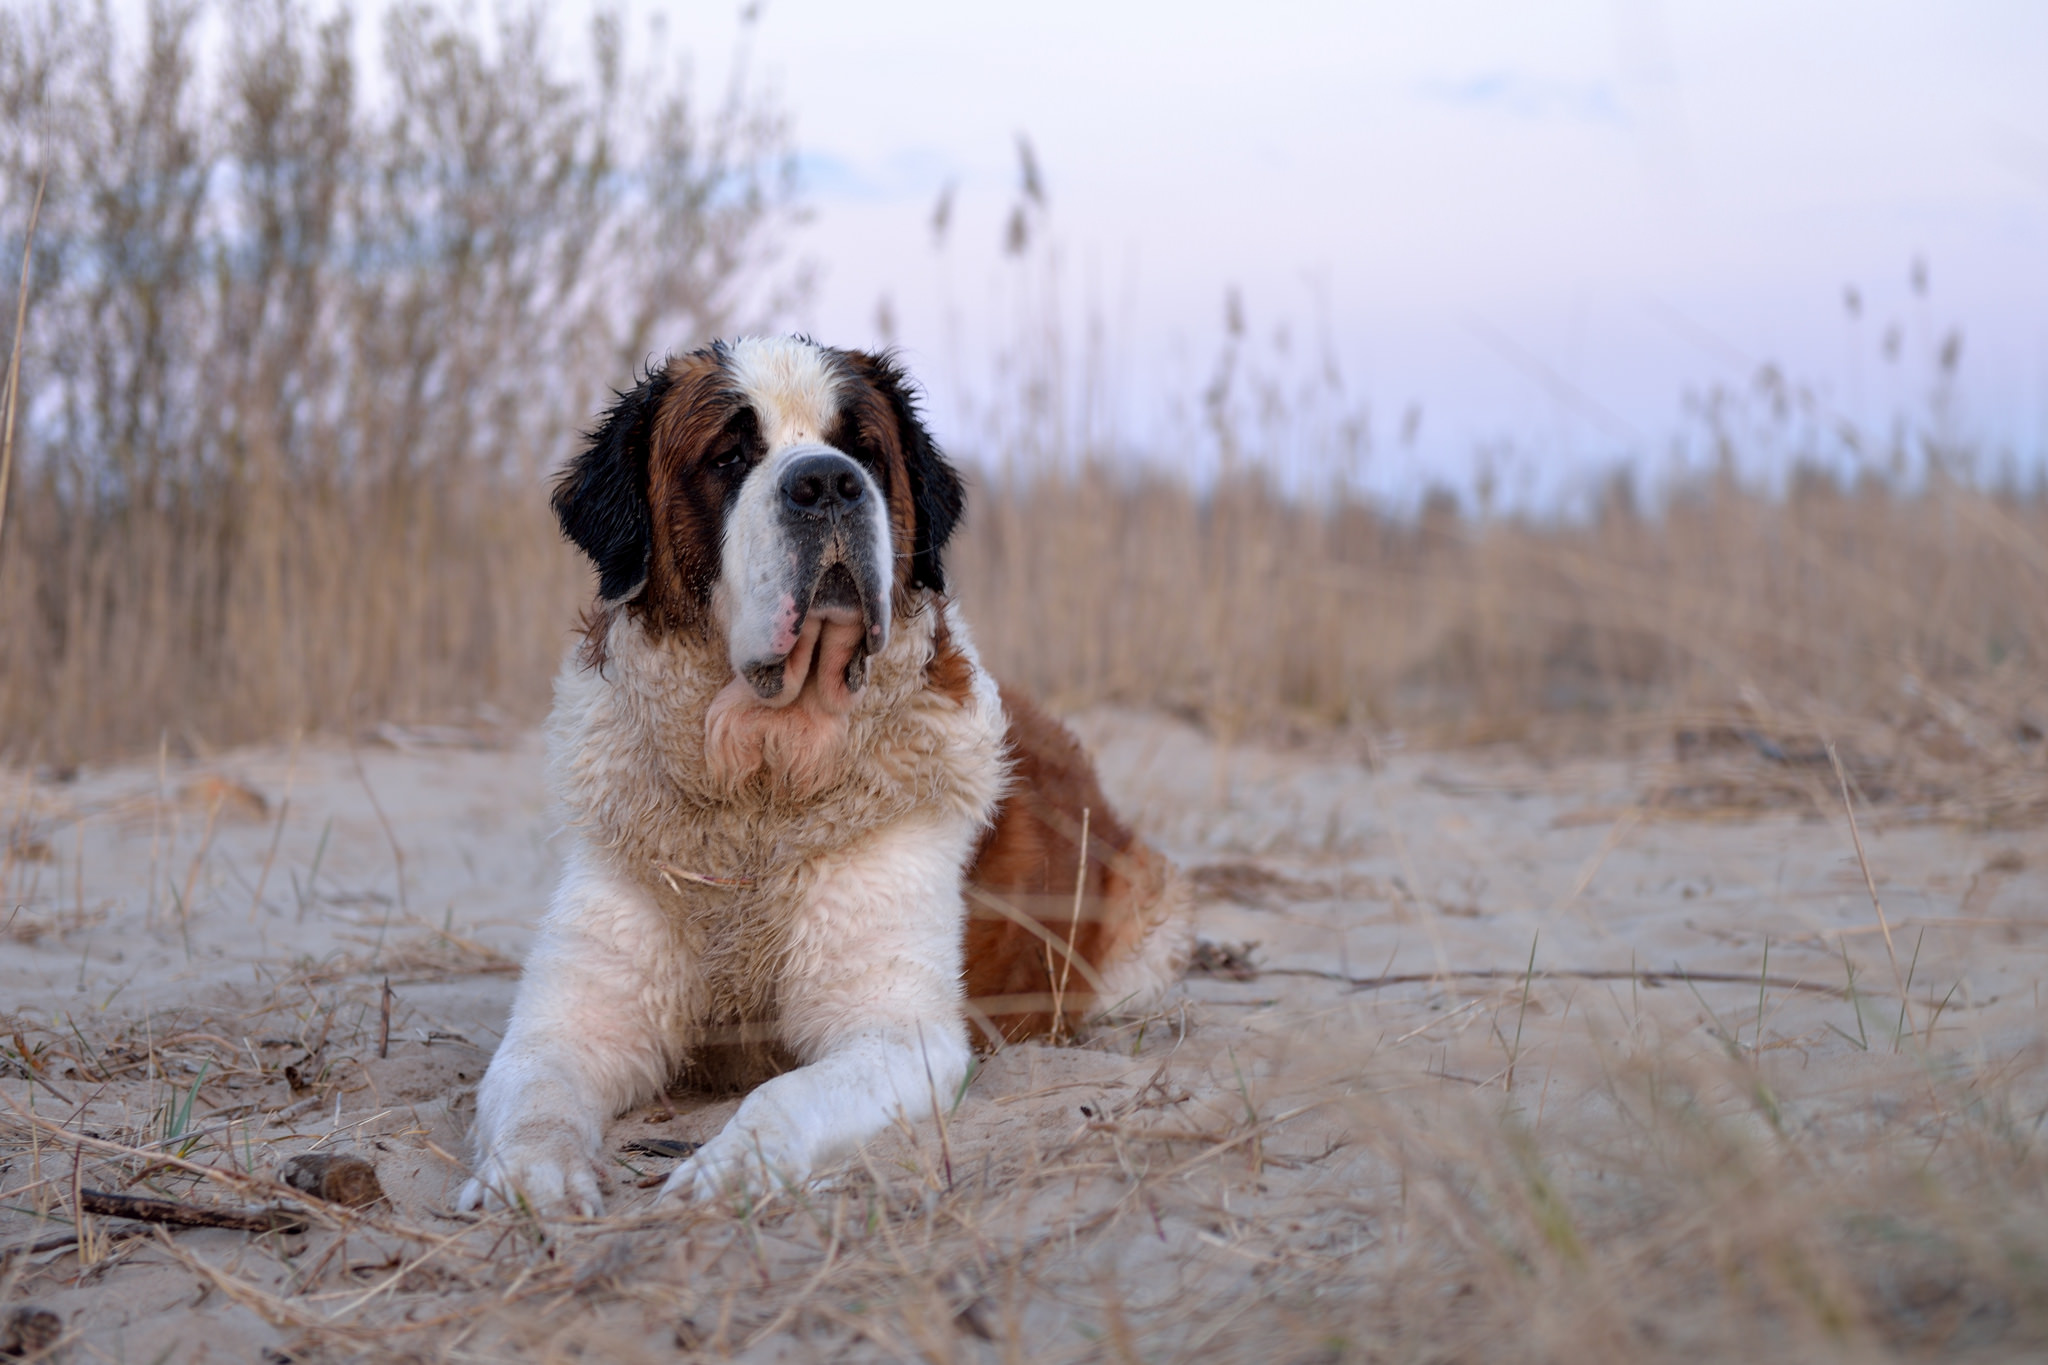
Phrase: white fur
[596,1026]
[872,1007]
[793,388]
[854,923]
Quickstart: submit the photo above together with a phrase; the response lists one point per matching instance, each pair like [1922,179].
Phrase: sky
[1515,232]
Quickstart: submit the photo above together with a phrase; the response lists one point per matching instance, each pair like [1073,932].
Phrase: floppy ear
[936,496]
[601,498]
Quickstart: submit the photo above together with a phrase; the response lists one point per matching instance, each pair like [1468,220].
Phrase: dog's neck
[678,694]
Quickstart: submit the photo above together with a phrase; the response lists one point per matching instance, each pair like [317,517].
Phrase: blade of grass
[1898,1032]
[1862,1038]
[1762,977]
[1869,882]
[1528,977]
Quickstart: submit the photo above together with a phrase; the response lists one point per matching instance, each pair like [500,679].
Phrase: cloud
[1517,94]
[907,173]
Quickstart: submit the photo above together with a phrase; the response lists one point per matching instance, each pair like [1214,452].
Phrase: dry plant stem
[284,807]
[672,874]
[156,822]
[1870,884]
[273,1310]
[1638,975]
[397,853]
[35,1073]
[1059,992]
[82,1227]
[938,1113]
[1617,832]
[1521,1016]
[826,1264]
[199,858]
[1044,935]
[384,1021]
[14,356]
[65,1239]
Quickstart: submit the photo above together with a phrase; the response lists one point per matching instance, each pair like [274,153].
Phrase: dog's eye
[735,447]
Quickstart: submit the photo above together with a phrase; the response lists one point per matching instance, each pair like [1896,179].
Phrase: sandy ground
[194,957]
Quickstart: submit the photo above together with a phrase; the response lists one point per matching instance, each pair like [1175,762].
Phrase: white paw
[551,1170]
[739,1164]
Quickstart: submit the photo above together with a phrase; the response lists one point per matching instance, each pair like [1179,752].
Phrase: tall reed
[297,363]
[1245,607]
[298,367]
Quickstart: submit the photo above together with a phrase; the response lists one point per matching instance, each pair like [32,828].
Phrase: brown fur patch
[867,431]
[950,672]
[594,624]
[1026,869]
[686,494]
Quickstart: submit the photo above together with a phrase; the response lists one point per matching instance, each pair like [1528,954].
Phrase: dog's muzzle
[806,574]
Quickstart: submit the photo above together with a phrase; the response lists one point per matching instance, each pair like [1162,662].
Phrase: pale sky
[1541,223]
[1538,225]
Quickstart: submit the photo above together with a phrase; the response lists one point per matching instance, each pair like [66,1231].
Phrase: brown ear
[601,498]
[936,497]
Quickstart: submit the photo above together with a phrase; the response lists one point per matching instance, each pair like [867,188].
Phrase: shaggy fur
[779,755]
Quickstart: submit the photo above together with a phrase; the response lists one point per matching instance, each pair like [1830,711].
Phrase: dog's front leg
[594,1029]
[871,1003]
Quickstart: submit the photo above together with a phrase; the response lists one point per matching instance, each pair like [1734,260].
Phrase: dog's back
[1050,941]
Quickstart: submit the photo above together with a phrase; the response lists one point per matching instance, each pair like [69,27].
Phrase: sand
[1446,951]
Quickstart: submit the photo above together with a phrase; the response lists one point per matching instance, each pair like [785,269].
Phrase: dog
[810,840]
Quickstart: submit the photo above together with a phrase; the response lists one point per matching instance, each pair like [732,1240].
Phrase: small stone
[346,1180]
[28,1331]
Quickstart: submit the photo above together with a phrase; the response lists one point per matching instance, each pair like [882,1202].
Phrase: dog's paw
[740,1164]
[550,1172]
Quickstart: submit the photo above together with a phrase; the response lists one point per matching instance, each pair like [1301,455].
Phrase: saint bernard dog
[813,847]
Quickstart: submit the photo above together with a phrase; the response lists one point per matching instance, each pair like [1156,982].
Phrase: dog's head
[777,495]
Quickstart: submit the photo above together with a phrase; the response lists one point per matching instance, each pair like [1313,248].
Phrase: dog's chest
[735,868]
[735,944]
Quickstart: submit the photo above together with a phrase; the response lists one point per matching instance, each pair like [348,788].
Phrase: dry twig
[179,1214]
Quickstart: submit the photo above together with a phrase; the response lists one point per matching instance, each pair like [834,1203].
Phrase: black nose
[823,484]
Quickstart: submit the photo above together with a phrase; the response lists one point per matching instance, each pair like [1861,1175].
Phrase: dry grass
[286,434]
[296,365]
[1906,626]
[291,392]
[1537,1154]
[1197,1194]
[317,606]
